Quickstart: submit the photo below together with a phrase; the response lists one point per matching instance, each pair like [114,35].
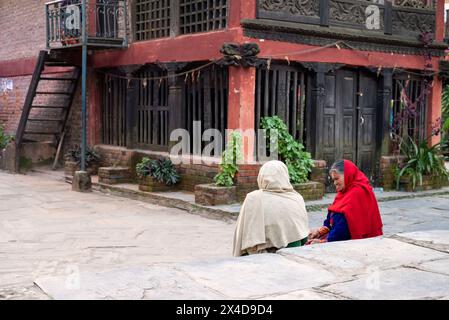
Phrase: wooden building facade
[326,67]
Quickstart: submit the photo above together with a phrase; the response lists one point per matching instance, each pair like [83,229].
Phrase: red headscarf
[358,203]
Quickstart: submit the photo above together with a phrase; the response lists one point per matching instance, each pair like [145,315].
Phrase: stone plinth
[310,190]
[213,195]
[81,182]
[114,175]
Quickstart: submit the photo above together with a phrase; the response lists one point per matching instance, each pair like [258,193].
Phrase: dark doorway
[346,125]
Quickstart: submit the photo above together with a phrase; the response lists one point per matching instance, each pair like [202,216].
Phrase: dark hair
[338,167]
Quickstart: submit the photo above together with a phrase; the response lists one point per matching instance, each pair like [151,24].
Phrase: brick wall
[22,25]
[387,165]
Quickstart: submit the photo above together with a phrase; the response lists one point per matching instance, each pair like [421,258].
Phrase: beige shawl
[273,216]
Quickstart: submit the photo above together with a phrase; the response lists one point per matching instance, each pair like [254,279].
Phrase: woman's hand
[315,241]
[314,234]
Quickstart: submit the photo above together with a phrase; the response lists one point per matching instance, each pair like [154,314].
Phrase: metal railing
[106,23]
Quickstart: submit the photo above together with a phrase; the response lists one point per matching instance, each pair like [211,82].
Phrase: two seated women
[275,216]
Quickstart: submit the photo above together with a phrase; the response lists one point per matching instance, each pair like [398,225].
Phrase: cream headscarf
[272,217]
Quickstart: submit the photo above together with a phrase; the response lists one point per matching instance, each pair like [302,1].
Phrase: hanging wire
[285,56]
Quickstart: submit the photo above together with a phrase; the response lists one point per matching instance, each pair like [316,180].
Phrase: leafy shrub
[230,157]
[5,139]
[74,154]
[420,160]
[291,152]
[163,171]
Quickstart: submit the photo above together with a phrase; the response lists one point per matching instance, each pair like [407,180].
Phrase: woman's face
[339,181]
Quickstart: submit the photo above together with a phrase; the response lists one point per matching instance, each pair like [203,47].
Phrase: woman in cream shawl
[273,217]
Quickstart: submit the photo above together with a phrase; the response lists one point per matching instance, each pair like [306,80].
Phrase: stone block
[213,195]
[114,175]
[310,190]
[81,182]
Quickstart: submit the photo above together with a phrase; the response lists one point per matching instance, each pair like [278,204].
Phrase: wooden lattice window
[152,19]
[152,109]
[413,124]
[114,111]
[280,91]
[202,15]
[206,101]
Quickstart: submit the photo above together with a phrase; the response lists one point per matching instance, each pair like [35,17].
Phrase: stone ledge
[213,195]
[114,175]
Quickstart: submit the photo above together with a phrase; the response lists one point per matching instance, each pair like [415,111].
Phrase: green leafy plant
[230,157]
[445,120]
[74,154]
[163,171]
[5,138]
[292,153]
[420,160]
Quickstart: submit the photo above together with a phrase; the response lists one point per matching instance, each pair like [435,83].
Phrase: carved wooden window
[417,4]
[206,101]
[307,11]
[281,91]
[415,124]
[152,109]
[152,19]
[202,15]
[114,111]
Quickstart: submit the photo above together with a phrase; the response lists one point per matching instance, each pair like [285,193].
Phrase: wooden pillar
[175,98]
[132,92]
[434,109]
[384,102]
[241,9]
[241,107]
[439,20]
[94,108]
[315,137]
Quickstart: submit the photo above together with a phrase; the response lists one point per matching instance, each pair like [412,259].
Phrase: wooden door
[347,129]
[366,124]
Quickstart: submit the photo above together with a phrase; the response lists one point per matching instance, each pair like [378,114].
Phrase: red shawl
[359,205]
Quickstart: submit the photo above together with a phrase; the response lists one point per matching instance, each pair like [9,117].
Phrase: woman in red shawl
[354,213]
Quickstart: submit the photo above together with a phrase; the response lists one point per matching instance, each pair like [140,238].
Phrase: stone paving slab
[257,276]
[437,266]
[135,283]
[434,239]
[360,256]
[397,284]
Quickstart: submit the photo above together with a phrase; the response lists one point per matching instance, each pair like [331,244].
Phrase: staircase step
[58,79]
[44,120]
[41,133]
[58,64]
[55,92]
[50,107]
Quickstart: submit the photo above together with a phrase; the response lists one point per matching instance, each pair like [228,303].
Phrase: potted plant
[156,175]
[73,161]
[423,166]
[223,190]
[298,161]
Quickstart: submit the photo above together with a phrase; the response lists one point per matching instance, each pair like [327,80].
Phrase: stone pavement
[378,268]
[97,246]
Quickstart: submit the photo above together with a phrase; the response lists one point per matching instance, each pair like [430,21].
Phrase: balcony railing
[106,23]
[405,18]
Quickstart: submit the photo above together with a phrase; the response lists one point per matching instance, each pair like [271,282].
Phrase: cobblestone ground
[47,230]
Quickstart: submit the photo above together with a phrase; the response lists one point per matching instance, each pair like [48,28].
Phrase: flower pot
[429,182]
[213,195]
[149,184]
